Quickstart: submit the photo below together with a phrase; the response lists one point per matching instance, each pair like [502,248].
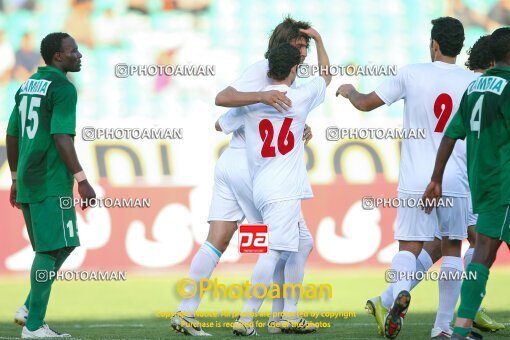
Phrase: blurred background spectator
[7,59]
[500,13]
[27,57]
[229,34]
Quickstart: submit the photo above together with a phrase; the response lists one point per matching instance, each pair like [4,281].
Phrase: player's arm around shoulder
[247,90]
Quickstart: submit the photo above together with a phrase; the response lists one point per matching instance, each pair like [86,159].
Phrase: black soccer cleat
[395,317]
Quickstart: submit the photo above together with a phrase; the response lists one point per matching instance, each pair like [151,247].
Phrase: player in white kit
[480,59]
[432,93]
[276,162]
[232,196]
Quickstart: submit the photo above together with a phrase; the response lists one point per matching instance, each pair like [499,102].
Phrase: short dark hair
[480,56]
[281,60]
[286,31]
[449,34]
[499,43]
[51,44]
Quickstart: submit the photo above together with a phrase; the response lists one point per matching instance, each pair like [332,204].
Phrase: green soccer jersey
[45,105]
[484,118]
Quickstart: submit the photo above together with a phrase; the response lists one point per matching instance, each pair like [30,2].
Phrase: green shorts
[49,226]
[495,224]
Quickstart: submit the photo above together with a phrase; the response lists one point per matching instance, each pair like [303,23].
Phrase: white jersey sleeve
[254,78]
[313,93]
[394,88]
[232,120]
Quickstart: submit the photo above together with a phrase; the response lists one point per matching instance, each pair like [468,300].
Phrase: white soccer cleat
[21,316]
[241,328]
[297,326]
[438,333]
[187,325]
[274,326]
[43,332]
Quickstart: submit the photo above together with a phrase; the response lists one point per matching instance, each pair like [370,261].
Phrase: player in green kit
[484,119]
[43,161]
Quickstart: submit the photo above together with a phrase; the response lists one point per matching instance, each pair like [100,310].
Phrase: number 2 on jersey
[285,138]
[443,107]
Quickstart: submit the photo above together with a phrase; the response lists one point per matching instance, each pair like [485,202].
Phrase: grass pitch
[134,308]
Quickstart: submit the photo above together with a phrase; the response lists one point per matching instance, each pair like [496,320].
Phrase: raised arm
[322,55]
[230,97]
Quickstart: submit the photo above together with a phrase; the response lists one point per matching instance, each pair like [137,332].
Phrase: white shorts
[472,218]
[304,232]
[453,221]
[413,224]
[232,198]
[282,219]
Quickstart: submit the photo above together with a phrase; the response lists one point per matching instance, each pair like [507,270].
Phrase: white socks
[202,266]
[279,279]
[403,261]
[468,256]
[261,275]
[422,265]
[294,273]
[449,291]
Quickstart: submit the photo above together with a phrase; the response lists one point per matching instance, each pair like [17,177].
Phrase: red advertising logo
[253,238]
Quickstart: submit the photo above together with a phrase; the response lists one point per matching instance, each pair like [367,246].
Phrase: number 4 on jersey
[476,115]
[285,138]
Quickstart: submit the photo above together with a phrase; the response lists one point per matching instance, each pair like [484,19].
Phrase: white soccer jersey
[275,148]
[432,93]
[253,79]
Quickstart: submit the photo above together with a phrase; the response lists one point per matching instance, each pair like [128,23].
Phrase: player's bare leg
[202,266]
[473,290]
[220,234]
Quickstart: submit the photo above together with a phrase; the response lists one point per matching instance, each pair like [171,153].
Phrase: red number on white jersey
[285,138]
[443,107]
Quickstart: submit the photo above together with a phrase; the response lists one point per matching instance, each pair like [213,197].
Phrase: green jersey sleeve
[13,126]
[505,104]
[63,101]
[456,129]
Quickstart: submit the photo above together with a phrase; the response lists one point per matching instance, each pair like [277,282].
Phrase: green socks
[40,288]
[471,294]
[473,291]
[461,331]
[63,254]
